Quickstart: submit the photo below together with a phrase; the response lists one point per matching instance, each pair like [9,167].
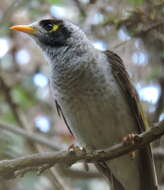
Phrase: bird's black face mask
[54,33]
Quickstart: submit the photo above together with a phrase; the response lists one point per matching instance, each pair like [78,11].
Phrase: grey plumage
[94,95]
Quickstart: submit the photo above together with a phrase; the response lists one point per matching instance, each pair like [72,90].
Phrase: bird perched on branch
[96,99]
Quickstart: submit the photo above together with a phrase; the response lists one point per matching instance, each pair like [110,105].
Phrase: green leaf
[136,2]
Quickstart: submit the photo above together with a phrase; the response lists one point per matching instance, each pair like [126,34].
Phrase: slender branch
[7,95]
[9,11]
[151,27]
[31,136]
[80,7]
[42,161]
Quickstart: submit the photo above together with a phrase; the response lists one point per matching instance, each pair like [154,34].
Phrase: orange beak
[24,28]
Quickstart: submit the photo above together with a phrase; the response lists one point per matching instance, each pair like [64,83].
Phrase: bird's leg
[130,139]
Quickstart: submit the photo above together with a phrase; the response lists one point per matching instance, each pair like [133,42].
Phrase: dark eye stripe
[56,38]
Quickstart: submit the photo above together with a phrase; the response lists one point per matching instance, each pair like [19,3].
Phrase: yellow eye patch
[54,28]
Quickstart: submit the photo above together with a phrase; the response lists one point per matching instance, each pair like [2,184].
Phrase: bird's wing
[122,77]
[60,113]
[147,171]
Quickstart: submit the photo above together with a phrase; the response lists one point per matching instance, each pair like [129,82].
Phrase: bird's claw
[75,148]
[130,139]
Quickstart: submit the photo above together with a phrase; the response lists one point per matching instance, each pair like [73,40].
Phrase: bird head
[52,32]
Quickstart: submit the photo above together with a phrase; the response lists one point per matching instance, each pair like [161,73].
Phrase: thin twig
[31,136]
[10,9]
[80,7]
[149,28]
[7,95]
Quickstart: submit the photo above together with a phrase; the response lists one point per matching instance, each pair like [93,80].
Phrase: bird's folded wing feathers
[122,77]
[147,170]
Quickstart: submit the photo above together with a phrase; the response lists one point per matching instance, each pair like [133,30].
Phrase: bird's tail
[147,170]
[148,179]
[105,170]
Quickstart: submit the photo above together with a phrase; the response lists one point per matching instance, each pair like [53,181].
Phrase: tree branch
[43,161]
[44,141]
[80,7]
[7,95]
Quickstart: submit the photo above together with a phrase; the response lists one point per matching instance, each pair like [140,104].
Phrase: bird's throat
[67,66]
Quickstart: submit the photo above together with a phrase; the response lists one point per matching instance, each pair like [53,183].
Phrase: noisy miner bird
[96,99]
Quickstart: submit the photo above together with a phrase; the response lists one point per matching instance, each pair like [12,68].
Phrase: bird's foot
[75,148]
[130,139]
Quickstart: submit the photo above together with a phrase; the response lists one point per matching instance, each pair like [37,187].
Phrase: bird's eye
[48,27]
[51,27]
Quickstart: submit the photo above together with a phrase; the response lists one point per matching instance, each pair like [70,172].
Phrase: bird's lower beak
[24,28]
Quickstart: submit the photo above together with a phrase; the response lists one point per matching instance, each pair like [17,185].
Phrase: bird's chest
[96,111]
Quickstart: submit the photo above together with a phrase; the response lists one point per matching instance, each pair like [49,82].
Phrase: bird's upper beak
[24,28]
